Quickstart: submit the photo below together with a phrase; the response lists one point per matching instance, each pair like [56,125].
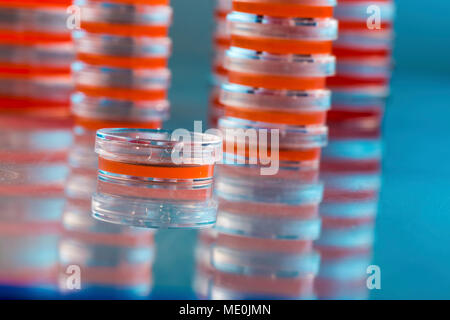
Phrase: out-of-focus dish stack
[364,61]
[120,73]
[351,166]
[274,111]
[221,43]
[35,129]
[351,162]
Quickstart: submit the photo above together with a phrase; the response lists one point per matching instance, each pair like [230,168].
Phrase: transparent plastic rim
[51,20]
[122,46]
[259,98]
[117,13]
[123,110]
[267,227]
[291,137]
[251,25]
[153,214]
[265,263]
[89,75]
[48,55]
[153,147]
[292,192]
[257,62]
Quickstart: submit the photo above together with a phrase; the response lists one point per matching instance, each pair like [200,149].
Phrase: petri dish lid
[251,61]
[123,110]
[114,45]
[251,25]
[157,147]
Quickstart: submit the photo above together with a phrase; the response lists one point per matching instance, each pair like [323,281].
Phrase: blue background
[412,244]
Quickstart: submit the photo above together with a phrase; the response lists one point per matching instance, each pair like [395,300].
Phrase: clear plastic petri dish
[156,178]
[347,213]
[291,193]
[351,240]
[125,19]
[282,35]
[110,268]
[274,71]
[121,51]
[295,144]
[29,94]
[37,20]
[267,227]
[121,83]
[294,108]
[287,8]
[115,110]
[265,263]
[38,59]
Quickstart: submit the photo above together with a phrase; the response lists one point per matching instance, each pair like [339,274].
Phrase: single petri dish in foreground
[156,178]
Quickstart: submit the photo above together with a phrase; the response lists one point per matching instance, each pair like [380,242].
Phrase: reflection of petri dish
[287,8]
[282,35]
[276,191]
[267,227]
[264,263]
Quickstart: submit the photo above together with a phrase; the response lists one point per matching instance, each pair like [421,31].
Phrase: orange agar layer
[312,154]
[276,82]
[95,124]
[283,9]
[35,4]
[275,116]
[31,37]
[20,69]
[282,46]
[160,172]
[123,62]
[125,30]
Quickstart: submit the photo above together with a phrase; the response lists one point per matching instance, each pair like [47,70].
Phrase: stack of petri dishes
[35,129]
[120,73]
[351,164]
[364,62]
[274,104]
[221,43]
[351,171]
